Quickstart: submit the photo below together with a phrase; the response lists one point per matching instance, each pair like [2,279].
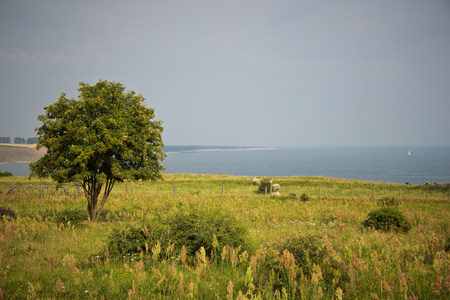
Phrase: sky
[239,72]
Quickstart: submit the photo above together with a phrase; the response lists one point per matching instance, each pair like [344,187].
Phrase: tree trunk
[109,186]
[92,188]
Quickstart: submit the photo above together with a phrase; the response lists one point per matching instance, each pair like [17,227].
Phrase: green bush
[387,218]
[307,252]
[304,197]
[75,216]
[190,229]
[265,183]
[129,240]
[7,212]
[196,230]
[5,174]
[310,251]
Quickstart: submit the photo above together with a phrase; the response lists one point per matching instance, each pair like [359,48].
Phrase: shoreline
[219,149]
[12,145]
[16,162]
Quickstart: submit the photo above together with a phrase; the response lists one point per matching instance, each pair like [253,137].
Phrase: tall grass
[42,256]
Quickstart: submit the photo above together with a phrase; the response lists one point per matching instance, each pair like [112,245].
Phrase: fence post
[265,190]
[270,189]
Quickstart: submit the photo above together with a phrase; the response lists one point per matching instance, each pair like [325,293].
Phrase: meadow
[215,237]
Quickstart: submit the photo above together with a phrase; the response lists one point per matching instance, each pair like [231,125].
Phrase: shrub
[268,270]
[310,251]
[7,212]
[265,183]
[387,218]
[190,229]
[307,252]
[75,216]
[129,240]
[5,174]
[304,197]
[195,230]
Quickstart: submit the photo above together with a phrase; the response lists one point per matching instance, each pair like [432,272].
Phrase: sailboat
[409,152]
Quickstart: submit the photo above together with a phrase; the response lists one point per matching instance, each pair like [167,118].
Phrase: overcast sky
[244,72]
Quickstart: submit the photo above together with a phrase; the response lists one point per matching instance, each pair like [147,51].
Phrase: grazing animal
[441,184]
[256,181]
[276,194]
[426,183]
[275,187]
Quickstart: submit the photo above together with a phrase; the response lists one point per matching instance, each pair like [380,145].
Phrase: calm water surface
[387,164]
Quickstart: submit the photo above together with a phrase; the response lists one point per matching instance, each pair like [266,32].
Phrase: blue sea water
[387,164]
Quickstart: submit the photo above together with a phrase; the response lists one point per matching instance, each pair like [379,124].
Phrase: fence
[47,189]
[315,192]
[54,189]
[319,192]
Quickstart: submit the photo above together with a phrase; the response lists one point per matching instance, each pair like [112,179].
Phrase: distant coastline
[19,153]
[191,149]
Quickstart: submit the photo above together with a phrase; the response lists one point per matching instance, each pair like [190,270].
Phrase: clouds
[241,72]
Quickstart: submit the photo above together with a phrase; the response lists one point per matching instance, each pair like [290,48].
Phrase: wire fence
[316,192]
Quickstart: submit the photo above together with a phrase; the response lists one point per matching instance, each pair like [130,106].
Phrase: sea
[394,164]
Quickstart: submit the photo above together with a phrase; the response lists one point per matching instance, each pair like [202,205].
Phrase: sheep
[276,194]
[426,183]
[256,181]
[275,187]
[441,184]
[292,196]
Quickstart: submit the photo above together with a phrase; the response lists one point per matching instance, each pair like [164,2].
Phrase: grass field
[45,256]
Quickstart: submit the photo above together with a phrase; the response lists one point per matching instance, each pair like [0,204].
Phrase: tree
[32,140]
[105,136]
[19,140]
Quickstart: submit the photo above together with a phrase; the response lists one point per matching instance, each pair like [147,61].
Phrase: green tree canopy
[107,135]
